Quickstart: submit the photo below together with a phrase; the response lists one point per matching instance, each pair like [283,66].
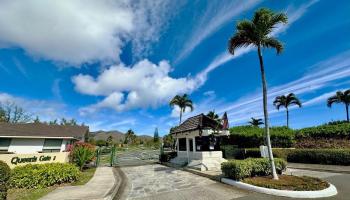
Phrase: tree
[53,122]
[11,113]
[257,33]
[255,122]
[66,122]
[341,97]
[130,137]
[169,141]
[36,120]
[286,101]
[182,102]
[156,135]
[214,116]
[109,140]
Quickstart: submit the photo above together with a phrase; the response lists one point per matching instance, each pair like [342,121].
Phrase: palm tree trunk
[287,117]
[180,116]
[347,112]
[266,115]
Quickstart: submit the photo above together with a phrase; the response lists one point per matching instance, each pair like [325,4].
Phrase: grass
[33,194]
[285,182]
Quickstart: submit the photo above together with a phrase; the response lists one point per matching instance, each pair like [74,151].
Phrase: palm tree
[255,122]
[257,32]
[214,116]
[286,101]
[182,102]
[341,97]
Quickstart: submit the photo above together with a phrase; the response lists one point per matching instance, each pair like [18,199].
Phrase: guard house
[198,142]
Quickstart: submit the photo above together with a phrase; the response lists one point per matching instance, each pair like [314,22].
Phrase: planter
[328,192]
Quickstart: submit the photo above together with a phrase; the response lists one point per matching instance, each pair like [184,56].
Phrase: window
[182,144]
[52,145]
[4,144]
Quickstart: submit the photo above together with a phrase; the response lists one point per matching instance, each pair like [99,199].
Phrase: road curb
[328,192]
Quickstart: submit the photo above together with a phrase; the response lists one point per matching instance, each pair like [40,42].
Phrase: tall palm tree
[286,101]
[214,116]
[341,97]
[255,122]
[257,32]
[182,102]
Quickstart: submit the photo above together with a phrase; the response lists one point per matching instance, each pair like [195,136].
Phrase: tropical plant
[256,122]
[182,102]
[258,33]
[286,101]
[214,116]
[341,97]
[82,153]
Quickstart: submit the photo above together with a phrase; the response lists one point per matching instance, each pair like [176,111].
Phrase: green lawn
[33,194]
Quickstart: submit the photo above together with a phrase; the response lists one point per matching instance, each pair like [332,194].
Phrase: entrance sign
[14,160]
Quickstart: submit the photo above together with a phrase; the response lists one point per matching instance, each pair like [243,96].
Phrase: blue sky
[115,65]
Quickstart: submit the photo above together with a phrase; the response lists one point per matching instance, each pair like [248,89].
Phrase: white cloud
[142,85]
[46,110]
[215,16]
[75,32]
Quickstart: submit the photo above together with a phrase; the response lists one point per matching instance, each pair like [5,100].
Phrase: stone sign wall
[14,160]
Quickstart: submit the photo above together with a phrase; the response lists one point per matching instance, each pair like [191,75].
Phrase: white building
[198,143]
[38,137]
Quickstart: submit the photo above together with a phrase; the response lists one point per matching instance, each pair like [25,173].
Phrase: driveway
[160,182]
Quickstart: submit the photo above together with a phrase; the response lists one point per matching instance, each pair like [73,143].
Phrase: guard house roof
[198,122]
[41,130]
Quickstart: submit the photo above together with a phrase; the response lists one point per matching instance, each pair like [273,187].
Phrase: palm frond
[273,43]
[238,40]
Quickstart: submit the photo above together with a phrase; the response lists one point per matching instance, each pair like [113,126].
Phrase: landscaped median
[254,174]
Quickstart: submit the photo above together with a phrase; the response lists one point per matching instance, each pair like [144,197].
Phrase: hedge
[341,130]
[4,176]
[240,169]
[167,156]
[320,156]
[43,175]
[251,137]
[311,156]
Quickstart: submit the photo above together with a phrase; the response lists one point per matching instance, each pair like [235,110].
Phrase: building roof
[41,130]
[199,122]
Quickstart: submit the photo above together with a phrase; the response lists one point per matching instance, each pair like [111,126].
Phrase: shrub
[167,156]
[252,137]
[43,175]
[341,130]
[240,169]
[4,176]
[82,153]
[320,156]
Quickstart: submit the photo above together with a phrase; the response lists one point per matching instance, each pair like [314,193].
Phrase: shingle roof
[200,121]
[42,130]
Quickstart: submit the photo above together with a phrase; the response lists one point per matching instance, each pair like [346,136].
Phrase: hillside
[116,135]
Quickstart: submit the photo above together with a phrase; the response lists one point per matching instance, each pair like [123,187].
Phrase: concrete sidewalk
[317,167]
[102,186]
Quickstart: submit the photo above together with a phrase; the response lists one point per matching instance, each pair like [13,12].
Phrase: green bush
[167,156]
[43,175]
[4,176]
[341,130]
[320,156]
[82,153]
[252,137]
[240,169]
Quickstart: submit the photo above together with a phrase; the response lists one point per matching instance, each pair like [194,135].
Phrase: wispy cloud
[20,67]
[320,76]
[224,57]
[215,16]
